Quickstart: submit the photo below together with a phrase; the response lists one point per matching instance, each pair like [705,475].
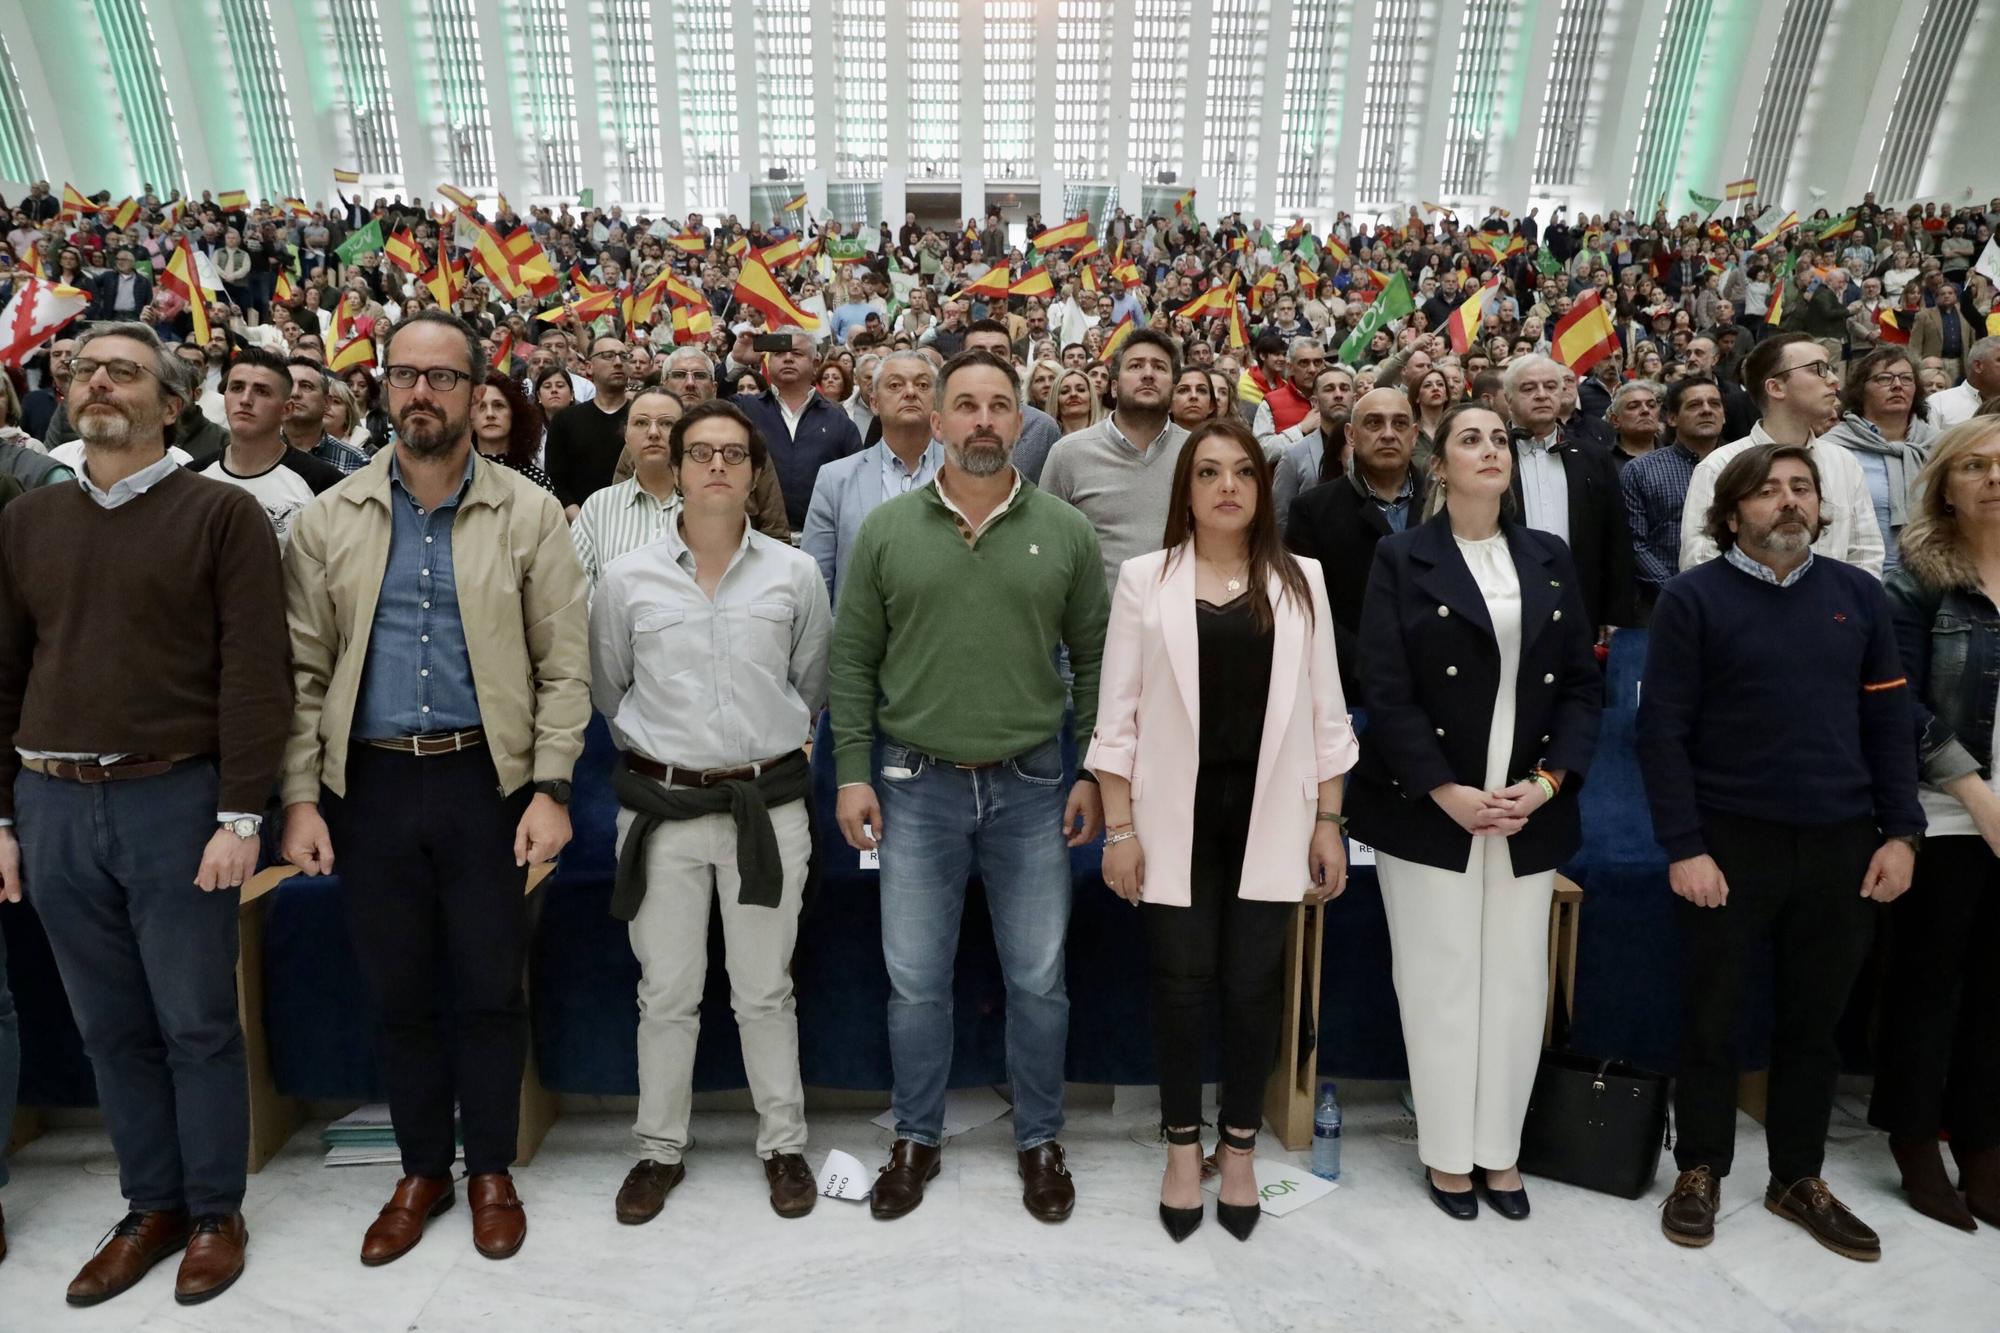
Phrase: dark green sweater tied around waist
[759,866]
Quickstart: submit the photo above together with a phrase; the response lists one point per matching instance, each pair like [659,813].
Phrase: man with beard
[988,576]
[586,438]
[1797,388]
[305,419]
[1039,431]
[1775,740]
[1120,471]
[144,696]
[439,646]
[1302,464]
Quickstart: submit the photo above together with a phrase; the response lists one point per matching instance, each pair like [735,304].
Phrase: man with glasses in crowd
[690,377]
[439,648]
[1797,388]
[586,437]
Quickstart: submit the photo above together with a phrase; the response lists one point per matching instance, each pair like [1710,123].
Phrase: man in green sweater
[952,608]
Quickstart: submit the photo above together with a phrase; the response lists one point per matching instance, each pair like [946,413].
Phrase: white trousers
[690,863]
[1472,979]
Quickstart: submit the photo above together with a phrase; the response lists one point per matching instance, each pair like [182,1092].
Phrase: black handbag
[1599,1124]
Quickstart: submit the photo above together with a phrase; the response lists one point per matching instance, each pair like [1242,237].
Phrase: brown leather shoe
[499,1222]
[214,1258]
[138,1242]
[400,1225]
[793,1189]
[645,1190]
[1688,1216]
[899,1186]
[1046,1189]
[1812,1205]
[1979,1177]
[1925,1184]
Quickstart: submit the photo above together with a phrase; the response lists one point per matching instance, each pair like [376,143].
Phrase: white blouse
[1491,561]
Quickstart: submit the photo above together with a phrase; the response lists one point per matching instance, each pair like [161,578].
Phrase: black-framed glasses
[1823,369]
[732,454]
[121,371]
[442,379]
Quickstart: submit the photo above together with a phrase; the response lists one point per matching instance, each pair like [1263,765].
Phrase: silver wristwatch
[243,827]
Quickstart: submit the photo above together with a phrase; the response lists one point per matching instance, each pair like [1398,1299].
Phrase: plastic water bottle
[1326,1134]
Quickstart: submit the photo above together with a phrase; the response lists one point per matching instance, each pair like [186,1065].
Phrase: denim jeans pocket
[900,763]
[1039,767]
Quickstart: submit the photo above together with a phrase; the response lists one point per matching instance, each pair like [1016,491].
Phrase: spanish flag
[233,199]
[405,253]
[738,247]
[638,306]
[1585,335]
[345,176]
[297,208]
[1128,273]
[1743,189]
[1214,301]
[1497,248]
[1335,250]
[503,356]
[1239,336]
[74,202]
[691,325]
[1118,337]
[795,203]
[124,214]
[1035,282]
[756,287]
[1087,279]
[694,243]
[1463,326]
[1074,232]
[1184,204]
[355,353]
[992,285]
[284,290]
[1889,330]
[1085,251]
[459,197]
[1770,238]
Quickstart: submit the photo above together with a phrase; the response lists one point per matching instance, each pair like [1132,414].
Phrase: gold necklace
[1230,584]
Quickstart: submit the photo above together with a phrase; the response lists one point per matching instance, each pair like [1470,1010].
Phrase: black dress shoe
[1463,1206]
[1812,1205]
[1510,1204]
[1181,1222]
[899,1186]
[1238,1219]
[1047,1191]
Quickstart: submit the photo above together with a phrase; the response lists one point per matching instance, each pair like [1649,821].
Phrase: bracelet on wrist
[1333,817]
[1113,839]
[1548,788]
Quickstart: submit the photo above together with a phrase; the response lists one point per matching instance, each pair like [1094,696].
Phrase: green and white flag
[1394,303]
[367,241]
[1706,203]
[586,198]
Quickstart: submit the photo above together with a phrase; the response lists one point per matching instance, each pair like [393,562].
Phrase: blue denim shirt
[1950,642]
[418,677]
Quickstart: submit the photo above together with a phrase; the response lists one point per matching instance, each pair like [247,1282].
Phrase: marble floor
[1373,1255]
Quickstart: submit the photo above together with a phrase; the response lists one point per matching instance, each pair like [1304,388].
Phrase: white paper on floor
[965,1109]
[1282,1187]
[843,1177]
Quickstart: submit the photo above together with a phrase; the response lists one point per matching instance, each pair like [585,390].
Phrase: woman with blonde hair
[1073,402]
[1938,1070]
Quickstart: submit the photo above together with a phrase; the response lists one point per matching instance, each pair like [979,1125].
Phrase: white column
[826,81]
[503,101]
[1441,53]
[896,168]
[1511,174]
[1270,129]
[412,99]
[752,169]
[1752,46]
[972,110]
[73,132]
[315,129]
[591,173]
[214,151]
[1118,118]
[1602,182]
[1049,174]
[673,168]
[1201,22]
[1877,102]
[1354,85]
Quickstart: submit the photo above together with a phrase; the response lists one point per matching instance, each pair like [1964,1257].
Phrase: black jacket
[1338,524]
[104,293]
[1600,538]
[1429,682]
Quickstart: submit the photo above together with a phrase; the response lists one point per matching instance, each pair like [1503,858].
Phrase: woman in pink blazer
[1220,743]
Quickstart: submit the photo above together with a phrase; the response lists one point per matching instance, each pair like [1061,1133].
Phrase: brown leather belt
[691,777]
[124,770]
[433,743]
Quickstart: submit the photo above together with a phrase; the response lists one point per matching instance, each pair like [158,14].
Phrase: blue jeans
[149,962]
[936,819]
[10,1060]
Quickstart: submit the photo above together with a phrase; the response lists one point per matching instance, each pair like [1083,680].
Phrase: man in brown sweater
[144,699]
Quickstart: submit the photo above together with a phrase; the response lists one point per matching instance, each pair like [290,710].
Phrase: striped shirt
[618,520]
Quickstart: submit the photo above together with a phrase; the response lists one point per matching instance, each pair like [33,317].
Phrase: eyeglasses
[1823,369]
[442,379]
[82,368]
[1893,381]
[610,356]
[1976,468]
[732,454]
[685,374]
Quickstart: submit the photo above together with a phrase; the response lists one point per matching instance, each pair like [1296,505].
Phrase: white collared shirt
[126,489]
[898,479]
[1544,486]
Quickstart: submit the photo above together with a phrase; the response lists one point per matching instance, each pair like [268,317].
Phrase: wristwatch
[244,826]
[557,790]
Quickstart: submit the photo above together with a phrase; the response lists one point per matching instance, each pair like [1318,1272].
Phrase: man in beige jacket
[439,654]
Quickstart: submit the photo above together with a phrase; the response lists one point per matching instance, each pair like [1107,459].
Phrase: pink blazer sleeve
[1334,746]
[1114,744]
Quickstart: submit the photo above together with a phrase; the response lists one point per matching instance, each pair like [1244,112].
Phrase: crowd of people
[362,567]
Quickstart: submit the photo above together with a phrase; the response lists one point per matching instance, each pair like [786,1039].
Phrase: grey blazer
[846,491]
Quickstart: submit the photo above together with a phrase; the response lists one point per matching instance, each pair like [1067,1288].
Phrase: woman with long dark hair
[1219,691]
[507,427]
[1483,698]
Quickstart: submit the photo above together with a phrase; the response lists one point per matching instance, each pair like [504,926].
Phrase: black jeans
[435,905]
[1939,1064]
[1794,899]
[1218,943]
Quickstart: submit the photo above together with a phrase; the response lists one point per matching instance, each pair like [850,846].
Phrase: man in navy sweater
[1775,738]
[802,430]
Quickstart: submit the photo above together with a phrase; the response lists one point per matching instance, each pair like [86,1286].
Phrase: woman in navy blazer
[1482,697]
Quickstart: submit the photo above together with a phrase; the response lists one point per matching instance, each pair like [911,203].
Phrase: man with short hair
[713,790]
[40,407]
[690,376]
[586,437]
[1655,487]
[1797,388]
[257,389]
[1704,357]
[1961,402]
[1634,413]
[1338,523]
[1039,431]
[144,695]
[989,577]
[1775,740]
[1303,465]
[803,431]
[906,458]
[1120,471]
[1274,424]
[304,424]
[1569,489]
[443,690]
[121,291]
[1943,331]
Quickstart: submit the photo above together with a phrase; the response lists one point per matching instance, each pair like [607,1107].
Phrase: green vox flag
[586,198]
[367,241]
[1309,252]
[1394,303]
[1706,203]
[1547,264]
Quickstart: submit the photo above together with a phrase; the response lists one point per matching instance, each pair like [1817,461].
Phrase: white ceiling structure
[1274,107]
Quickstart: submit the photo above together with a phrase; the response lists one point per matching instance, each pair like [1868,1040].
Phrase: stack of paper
[364,1138]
